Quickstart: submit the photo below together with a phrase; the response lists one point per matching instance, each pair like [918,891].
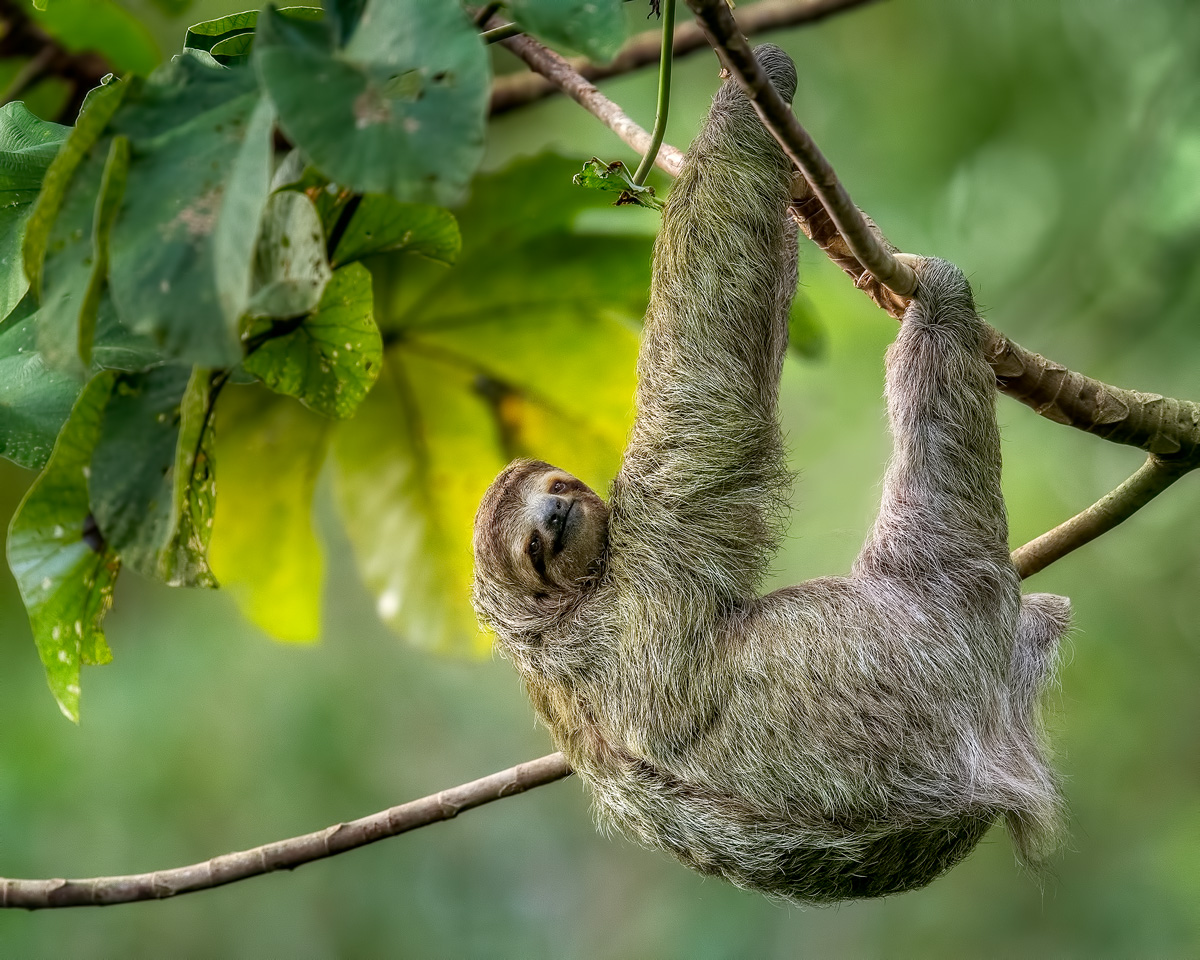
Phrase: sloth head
[540,541]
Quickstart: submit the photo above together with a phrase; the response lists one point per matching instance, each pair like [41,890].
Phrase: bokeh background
[1049,147]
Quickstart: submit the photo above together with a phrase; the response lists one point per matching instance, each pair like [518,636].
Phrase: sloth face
[545,528]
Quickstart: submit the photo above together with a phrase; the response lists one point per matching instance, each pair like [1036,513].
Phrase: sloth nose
[554,513]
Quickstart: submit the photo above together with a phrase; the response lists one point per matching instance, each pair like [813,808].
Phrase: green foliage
[198,179]
[383,225]
[527,346]
[264,549]
[291,268]
[330,359]
[103,26]
[27,147]
[34,399]
[62,565]
[399,108]
[151,479]
[159,250]
[615,178]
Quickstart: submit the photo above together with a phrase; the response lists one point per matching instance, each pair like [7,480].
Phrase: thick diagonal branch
[717,22]
[1163,426]
[283,854]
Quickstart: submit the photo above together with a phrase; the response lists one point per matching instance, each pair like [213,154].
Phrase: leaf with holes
[63,568]
[182,249]
[152,485]
[290,268]
[330,359]
[400,109]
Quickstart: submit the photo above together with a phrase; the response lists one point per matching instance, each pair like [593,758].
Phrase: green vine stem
[664,93]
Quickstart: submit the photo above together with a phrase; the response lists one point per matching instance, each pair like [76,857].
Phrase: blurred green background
[1052,150]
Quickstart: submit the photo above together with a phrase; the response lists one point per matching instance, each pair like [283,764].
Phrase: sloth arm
[697,506]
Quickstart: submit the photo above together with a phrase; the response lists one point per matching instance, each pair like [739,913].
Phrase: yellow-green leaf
[263,548]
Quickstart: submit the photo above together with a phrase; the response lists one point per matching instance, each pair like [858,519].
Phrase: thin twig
[1151,479]
[518,89]
[283,854]
[550,65]
[485,13]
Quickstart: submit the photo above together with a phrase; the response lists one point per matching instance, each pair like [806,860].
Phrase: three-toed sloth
[846,737]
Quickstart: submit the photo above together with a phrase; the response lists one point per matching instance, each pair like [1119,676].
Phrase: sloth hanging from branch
[846,737]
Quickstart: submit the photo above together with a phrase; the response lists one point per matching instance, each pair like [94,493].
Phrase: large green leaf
[399,110]
[35,399]
[108,202]
[290,266]
[97,110]
[331,358]
[69,300]
[546,312]
[27,147]
[63,568]
[264,550]
[526,347]
[206,35]
[593,27]
[151,481]
[181,250]
[381,225]
[409,471]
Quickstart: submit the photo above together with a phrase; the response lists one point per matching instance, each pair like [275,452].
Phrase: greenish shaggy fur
[846,737]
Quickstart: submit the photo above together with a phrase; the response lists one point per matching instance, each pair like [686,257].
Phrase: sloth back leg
[942,512]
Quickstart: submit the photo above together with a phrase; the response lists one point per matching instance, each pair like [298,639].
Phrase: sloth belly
[806,859]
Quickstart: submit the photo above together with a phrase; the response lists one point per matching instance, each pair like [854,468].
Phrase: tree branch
[283,854]
[1168,428]
[1151,479]
[518,89]
[718,23]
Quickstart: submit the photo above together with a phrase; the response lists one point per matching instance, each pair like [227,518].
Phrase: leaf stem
[664,93]
[339,228]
